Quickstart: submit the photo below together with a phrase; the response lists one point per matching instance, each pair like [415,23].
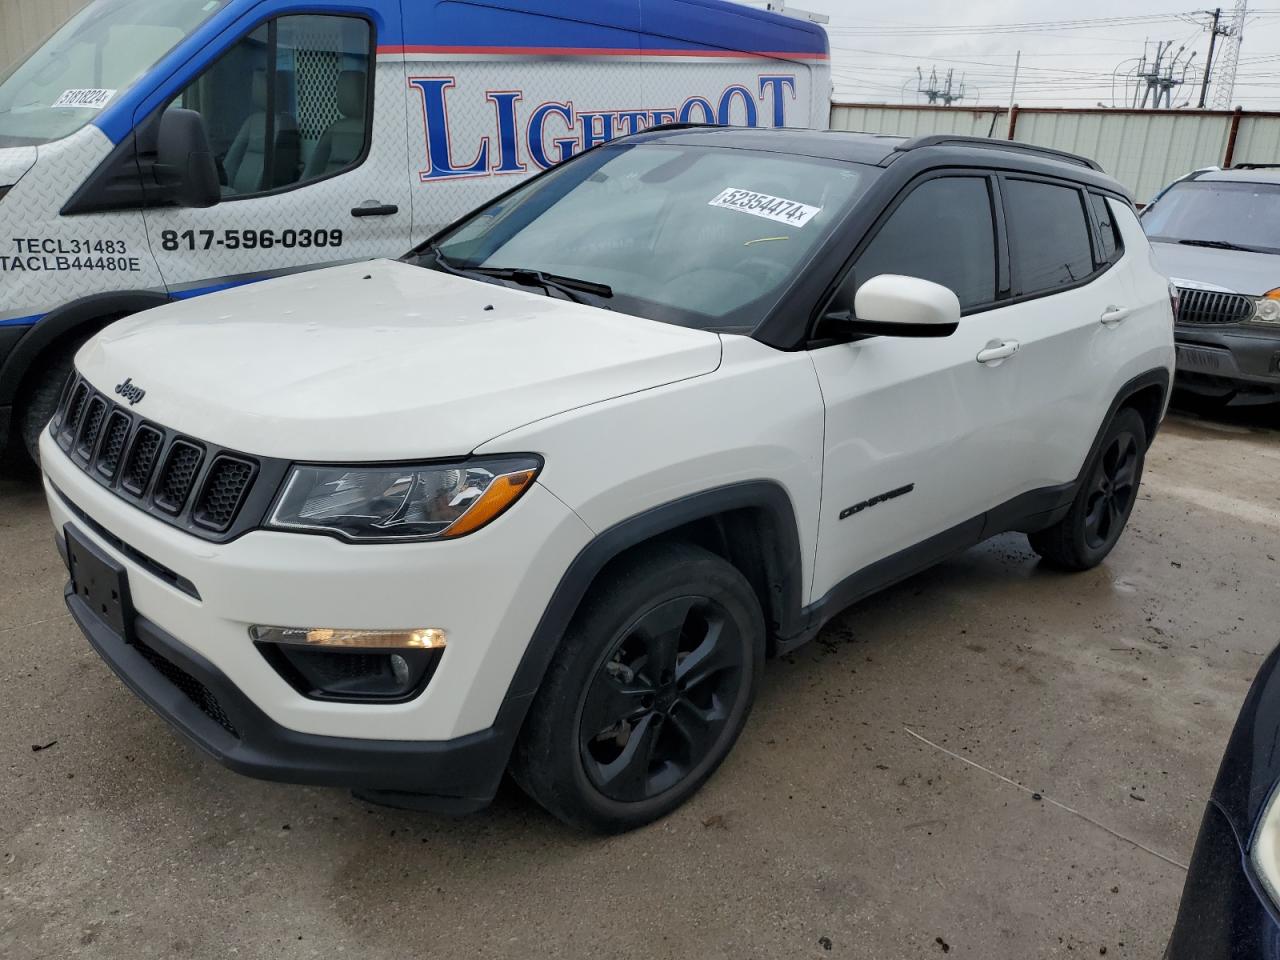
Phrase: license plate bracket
[100,583]
[1200,360]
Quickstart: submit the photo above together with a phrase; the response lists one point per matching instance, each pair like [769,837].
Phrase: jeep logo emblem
[130,392]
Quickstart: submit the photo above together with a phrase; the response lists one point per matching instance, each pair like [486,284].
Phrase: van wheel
[1084,537]
[41,400]
[648,692]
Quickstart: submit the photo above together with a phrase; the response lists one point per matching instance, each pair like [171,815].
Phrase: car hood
[1234,271]
[14,162]
[381,361]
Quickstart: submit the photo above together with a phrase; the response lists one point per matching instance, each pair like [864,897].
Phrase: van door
[306,125]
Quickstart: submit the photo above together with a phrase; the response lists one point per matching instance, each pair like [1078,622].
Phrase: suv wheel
[648,692]
[1084,537]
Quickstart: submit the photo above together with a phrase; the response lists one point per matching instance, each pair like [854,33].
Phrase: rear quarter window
[1048,236]
[1112,245]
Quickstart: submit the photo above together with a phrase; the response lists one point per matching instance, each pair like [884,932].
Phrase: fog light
[421,638]
[324,663]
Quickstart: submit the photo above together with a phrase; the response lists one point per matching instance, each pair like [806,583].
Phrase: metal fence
[1143,149]
[25,23]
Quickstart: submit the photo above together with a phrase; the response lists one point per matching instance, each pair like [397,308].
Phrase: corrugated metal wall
[25,23]
[1143,149]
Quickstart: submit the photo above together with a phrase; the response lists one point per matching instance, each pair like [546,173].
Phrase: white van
[155,150]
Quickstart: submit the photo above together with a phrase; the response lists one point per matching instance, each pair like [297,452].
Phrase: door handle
[998,351]
[376,210]
[1114,316]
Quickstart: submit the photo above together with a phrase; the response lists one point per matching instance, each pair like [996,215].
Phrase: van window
[944,232]
[1108,230]
[1048,236]
[87,64]
[288,104]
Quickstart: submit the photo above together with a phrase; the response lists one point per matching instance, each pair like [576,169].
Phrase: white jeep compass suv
[543,495]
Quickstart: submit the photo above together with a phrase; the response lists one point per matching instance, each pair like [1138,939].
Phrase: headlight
[1265,854]
[1268,308]
[408,502]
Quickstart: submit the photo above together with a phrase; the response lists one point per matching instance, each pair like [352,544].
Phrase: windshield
[98,54]
[701,236]
[1218,212]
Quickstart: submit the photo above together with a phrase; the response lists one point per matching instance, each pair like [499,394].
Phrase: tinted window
[1108,230]
[942,232]
[1048,236]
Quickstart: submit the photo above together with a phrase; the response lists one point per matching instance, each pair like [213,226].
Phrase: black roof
[882,151]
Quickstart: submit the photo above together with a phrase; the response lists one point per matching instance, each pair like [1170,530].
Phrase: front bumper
[454,776]
[197,600]
[1239,356]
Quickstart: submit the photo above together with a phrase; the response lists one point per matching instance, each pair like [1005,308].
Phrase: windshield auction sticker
[84,99]
[780,209]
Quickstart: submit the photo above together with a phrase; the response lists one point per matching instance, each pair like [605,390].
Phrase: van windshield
[96,56]
[703,236]
[1220,213]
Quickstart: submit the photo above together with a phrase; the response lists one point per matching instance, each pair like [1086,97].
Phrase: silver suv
[1217,235]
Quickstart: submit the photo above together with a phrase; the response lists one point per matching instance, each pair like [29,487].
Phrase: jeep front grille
[200,487]
[1210,307]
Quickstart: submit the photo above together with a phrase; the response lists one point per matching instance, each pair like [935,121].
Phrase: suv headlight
[387,504]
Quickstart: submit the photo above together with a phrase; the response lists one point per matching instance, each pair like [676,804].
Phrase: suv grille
[185,482]
[1209,306]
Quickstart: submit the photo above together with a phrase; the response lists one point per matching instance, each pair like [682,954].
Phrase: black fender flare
[1159,377]
[66,319]
[781,549]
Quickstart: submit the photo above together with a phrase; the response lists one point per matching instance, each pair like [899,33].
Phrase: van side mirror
[185,169]
[895,306]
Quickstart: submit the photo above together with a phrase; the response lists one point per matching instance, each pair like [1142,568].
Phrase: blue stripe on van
[680,26]
[22,321]
[213,288]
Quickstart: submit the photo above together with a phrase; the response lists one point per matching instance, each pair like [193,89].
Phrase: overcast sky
[1066,59]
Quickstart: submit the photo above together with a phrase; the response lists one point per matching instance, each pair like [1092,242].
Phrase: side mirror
[185,169]
[895,306]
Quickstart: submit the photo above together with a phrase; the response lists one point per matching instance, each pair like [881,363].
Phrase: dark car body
[1226,913]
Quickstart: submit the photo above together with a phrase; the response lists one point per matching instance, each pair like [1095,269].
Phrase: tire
[648,692]
[1092,527]
[41,399]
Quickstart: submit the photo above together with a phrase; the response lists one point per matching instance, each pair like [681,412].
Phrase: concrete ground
[852,820]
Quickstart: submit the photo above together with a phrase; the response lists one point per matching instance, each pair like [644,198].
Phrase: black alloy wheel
[647,692]
[1105,498]
[1112,490]
[660,701]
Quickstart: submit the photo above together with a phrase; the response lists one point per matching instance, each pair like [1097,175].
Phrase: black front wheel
[648,692]
[1091,529]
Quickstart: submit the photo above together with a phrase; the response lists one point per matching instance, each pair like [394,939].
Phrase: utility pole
[1215,32]
[1229,59]
[1013,94]
[946,95]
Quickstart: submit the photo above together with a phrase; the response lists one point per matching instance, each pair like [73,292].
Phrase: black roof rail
[679,125]
[1254,166]
[1017,146]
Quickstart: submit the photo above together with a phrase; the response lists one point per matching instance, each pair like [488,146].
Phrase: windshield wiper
[571,287]
[1219,245]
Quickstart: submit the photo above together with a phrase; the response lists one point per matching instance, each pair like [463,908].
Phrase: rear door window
[1048,236]
[944,232]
